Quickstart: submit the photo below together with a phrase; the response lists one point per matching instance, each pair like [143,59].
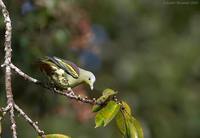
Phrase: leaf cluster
[110,109]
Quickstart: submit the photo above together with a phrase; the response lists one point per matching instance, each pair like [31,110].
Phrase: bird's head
[89,79]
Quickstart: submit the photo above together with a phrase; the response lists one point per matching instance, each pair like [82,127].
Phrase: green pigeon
[64,74]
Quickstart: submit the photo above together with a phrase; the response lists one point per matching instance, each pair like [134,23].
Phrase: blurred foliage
[147,50]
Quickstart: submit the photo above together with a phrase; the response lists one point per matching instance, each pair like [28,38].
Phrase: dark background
[149,51]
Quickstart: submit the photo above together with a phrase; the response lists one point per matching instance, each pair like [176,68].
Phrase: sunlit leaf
[133,128]
[105,115]
[121,123]
[120,118]
[138,127]
[126,107]
[55,136]
[107,93]
[127,124]
[99,120]
[131,131]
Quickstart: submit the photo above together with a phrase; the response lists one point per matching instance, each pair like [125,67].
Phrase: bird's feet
[69,89]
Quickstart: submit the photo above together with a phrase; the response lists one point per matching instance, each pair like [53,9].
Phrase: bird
[64,74]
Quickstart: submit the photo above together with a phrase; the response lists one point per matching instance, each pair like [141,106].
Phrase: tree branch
[27,118]
[12,119]
[7,61]
[11,106]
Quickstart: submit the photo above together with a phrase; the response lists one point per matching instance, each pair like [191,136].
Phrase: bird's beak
[91,87]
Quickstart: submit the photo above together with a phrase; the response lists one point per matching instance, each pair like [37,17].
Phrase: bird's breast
[72,81]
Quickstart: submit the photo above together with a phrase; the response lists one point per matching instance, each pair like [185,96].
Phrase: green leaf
[120,118]
[99,120]
[121,123]
[105,115]
[126,107]
[138,127]
[134,129]
[55,136]
[127,124]
[131,131]
[107,93]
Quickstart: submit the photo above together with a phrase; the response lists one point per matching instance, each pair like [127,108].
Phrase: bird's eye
[89,78]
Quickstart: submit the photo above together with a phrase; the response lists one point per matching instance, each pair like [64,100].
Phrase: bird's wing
[47,66]
[69,67]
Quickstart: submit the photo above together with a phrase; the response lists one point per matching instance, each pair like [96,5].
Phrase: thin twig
[70,94]
[24,75]
[28,119]
[6,109]
[12,119]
